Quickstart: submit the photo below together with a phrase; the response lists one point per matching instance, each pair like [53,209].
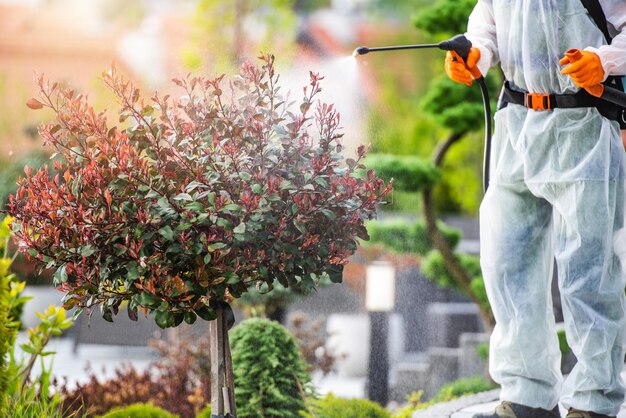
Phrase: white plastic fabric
[556,190]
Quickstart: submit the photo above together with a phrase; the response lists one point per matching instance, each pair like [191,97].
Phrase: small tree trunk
[222,385]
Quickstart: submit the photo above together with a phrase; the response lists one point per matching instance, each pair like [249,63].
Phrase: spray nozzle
[362,50]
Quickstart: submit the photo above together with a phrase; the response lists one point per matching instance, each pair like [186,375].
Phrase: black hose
[487,152]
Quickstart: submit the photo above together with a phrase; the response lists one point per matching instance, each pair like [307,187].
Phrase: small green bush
[408,237]
[448,392]
[205,413]
[138,410]
[333,407]
[462,387]
[271,378]
[409,174]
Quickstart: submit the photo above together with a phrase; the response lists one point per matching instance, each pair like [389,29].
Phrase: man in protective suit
[556,190]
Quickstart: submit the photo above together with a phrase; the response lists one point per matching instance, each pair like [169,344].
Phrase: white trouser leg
[517,263]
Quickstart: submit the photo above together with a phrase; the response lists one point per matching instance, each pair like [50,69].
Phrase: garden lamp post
[380,298]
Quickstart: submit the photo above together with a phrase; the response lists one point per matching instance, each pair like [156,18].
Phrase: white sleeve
[613,56]
[481,31]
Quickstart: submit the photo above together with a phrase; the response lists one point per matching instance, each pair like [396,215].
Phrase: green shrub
[434,268]
[138,410]
[7,337]
[333,407]
[462,387]
[448,392]
[408,237]
[409,173]
[271,378]
[205,413]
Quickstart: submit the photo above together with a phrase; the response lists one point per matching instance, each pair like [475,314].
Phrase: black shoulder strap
[597,14]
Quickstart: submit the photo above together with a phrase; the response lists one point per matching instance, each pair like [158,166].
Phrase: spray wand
[460,47]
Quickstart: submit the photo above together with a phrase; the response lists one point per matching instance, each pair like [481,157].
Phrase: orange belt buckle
[537,101]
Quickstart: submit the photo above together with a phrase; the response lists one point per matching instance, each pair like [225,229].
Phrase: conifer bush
[271,378]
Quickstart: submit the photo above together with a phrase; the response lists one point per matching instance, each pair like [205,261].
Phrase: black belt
[540,101]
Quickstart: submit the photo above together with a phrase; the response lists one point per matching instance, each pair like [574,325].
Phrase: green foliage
[410,174]
[408,237]
[304,6]
[28,404]
[7,338]
[445,17]
[456,106]
[448,392]
[219,38]
[11,170]
[29,397]
[205,413]
[435,269]
[333,407]
[271,378]
[462,387]
[460,190]
[138,410]
[482,351]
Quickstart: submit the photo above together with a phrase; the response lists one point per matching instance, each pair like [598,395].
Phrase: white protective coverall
[556,190]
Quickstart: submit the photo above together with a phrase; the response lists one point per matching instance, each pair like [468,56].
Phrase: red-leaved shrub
[192,200]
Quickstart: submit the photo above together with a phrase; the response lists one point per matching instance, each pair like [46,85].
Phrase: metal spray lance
[460,47]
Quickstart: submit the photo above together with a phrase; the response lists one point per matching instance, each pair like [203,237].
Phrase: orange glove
[586,71]
[458,70]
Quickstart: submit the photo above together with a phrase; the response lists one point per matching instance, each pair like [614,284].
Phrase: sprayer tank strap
[539,101]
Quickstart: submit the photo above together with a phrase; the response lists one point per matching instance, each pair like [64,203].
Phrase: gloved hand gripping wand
[601,91]
[460,47]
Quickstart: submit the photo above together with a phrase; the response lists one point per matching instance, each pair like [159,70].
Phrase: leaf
[34,104]
[164,319]
[257,188]
[240,229]
[60,276]
[232,207]
[206,313]
[215,246]
[167,233]
[147,299]
[190,317]
[245,176]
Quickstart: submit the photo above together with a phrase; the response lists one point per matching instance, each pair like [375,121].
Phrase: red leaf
[34,104]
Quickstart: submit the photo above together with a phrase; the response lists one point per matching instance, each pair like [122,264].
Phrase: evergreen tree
[271,378]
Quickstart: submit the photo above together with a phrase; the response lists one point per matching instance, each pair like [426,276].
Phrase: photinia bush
[191,201]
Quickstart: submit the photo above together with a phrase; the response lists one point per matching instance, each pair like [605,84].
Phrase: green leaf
[232,207]
[245,176]
[257,188]
[240,229]
[167,233]
[286,185]
[190,317]
[60,276]
[215,246]
[164,319]
[206,313]
[147,299]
